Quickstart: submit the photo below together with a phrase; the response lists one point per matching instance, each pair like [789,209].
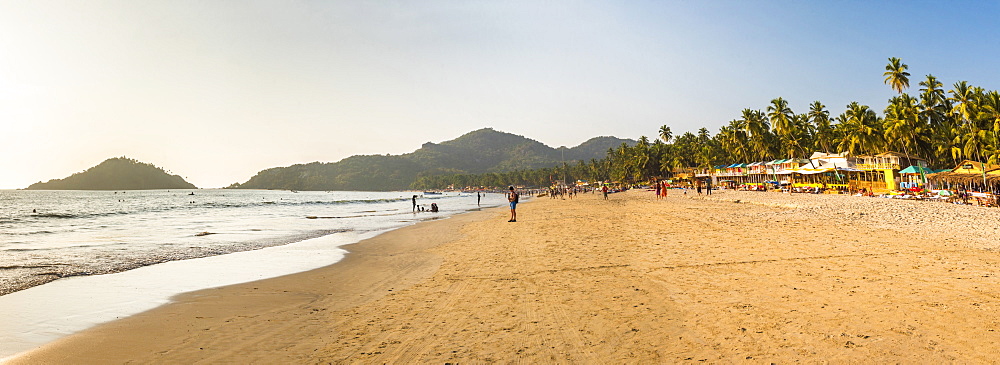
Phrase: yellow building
[889,164]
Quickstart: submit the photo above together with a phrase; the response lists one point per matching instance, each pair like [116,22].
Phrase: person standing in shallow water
[512,198]
[479,199]
[414,203]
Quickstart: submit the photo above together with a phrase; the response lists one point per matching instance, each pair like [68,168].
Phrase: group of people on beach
[563,192]
[421,208]
[662,187]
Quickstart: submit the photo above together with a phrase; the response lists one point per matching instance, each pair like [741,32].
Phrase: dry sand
[629,280]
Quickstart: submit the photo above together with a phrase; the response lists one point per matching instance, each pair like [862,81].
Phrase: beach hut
[973,180]
[889,164]
[820,171]
[968,174]
[736,169]
[756,168]
[755,174]
[840,172]
[684,175]
[912,177]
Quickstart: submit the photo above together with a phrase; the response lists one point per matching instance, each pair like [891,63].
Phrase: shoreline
[585,280]
[259,295]
[35,316]
[81,233]
[45,313]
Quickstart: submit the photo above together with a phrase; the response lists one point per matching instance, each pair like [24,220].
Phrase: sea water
[86,255]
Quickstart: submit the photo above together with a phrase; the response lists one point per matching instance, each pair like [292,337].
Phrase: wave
[304,203]
[55,215]
[29,233]
[211,205]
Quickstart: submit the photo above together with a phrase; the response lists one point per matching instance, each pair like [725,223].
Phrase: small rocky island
[119,173]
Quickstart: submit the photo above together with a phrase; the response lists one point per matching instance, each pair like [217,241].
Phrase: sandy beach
[731,277]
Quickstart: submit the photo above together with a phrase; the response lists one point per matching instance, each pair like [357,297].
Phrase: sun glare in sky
[216,91]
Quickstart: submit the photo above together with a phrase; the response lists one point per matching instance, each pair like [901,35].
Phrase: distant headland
[119,173]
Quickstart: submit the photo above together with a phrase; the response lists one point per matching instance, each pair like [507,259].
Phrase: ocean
[67,246]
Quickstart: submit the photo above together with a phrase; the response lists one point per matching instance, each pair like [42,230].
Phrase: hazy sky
[217,90]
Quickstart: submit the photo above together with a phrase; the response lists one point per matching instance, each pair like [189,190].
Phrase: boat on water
[433,193]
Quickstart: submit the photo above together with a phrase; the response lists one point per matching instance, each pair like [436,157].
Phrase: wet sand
[591,281]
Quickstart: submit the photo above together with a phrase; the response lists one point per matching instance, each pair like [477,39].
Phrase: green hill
[118,173]
[476,152]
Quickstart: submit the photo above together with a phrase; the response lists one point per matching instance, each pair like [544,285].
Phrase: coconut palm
[820,118]
[931,93]
[803,134]
[963,101]
[902,122]
[758,132]
[896,76]
[902,125]
[934,110]
[733,140]
[783,126]
[780,115]
[860,130]
[665,134]
[990,115]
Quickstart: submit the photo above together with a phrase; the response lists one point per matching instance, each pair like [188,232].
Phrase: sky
[215,91]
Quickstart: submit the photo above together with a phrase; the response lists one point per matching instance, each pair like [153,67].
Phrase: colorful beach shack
[888,165]
[968,175]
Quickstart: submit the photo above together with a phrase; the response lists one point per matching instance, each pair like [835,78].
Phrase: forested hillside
[481,151]
[118,173]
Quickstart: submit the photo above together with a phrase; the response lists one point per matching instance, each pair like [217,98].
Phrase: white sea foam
[41,314]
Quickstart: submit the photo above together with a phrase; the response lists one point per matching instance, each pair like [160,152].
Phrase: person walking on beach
[659,188]
[512,198]
[604,189]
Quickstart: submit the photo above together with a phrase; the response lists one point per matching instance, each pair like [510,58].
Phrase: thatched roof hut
[968,172]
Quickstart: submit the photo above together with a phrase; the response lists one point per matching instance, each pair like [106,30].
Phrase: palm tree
[990,115]
[733,140]
[902,124]
[685,148]
[803,133]
[934,108]
[820,118]
[645,164]
[860,130]
[781,123]
[970,137]
[896,76]
[665,134]
[758,132]
[962,97]
[704,151]
[931,94]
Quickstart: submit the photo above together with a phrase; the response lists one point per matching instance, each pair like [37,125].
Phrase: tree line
[939,126]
